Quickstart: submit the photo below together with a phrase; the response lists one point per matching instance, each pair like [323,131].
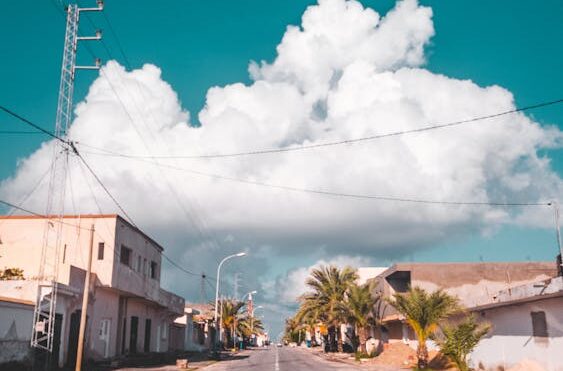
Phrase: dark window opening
[101,251]
[64,254]
[125,257]
[400,281]
[153,270]
[539,325]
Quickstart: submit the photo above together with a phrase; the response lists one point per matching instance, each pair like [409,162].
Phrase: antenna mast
[46,304]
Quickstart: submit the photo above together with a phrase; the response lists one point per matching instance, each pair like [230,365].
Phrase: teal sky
[200,44]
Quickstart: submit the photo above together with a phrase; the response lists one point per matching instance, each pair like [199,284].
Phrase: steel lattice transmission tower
[46,303]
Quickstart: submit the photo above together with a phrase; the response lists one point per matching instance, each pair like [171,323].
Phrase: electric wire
[193,218]
[30,193]
[162,253]
[20,132]
[88,167]
[354,140]
[106,190]
[51,218]
[28,122]
[264,184]
[337,194]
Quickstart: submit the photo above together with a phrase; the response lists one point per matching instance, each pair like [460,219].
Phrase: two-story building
[128,311]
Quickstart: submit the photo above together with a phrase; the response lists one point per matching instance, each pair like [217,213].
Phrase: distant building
[367,273]
[473,283]
[128,311]
[196,322]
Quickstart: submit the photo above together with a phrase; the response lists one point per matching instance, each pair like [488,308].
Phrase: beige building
[128,311]
[474,284]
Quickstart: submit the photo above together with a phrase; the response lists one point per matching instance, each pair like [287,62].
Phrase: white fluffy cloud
[346,72]
[291,286]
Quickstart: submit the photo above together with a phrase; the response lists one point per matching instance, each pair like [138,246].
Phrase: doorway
[133,335]
[73,332]
[147,347]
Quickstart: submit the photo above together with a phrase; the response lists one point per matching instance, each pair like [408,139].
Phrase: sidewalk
[195,361]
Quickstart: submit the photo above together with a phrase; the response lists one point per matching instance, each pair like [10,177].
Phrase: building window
[64,254]
[101,246]
[539,326]
[125,257]
[139,264]
[153,272]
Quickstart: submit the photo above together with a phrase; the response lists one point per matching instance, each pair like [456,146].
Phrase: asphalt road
[279,359]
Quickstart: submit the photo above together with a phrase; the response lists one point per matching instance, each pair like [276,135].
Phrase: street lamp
[252,318]
[253,292]
[240,254]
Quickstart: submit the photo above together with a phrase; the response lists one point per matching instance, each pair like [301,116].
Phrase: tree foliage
[11,274]
[458,341]
[329,286]
[423,312]
[360,307]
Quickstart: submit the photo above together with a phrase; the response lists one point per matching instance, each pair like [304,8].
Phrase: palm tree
[309,315]
[229,309]
[360,303]
[246,326]
[423,312]
[329,285]
[292,326]
[456,342]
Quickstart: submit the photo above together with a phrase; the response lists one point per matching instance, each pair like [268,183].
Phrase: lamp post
[252,318]
[217,327]
[253,292]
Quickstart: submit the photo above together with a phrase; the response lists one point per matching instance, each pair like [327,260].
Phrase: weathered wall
[511,340]
[22,238]
[15,331]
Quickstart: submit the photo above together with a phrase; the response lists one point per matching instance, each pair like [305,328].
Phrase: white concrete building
[128,311]
[527,328]
[196,328]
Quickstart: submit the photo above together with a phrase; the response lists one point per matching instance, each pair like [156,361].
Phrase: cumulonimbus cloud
[345,72]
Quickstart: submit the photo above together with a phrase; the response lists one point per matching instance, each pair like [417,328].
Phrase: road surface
[280,359]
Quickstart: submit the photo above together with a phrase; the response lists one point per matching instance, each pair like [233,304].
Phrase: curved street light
[253,292]
[240,254]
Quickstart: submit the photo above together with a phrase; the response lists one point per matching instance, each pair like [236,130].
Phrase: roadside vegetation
[236,320]
[334,299]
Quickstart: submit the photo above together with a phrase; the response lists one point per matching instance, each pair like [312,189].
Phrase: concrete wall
[15,331]
[511,341]
[103,324]
[473,283]
[136,278]
[22,242]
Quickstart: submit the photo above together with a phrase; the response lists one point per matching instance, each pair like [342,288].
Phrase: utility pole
[85,295]
[236,283]
[202,296]
[44,313]
[555,205]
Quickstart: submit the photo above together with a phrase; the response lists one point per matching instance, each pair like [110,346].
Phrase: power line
[338,194]
[20,132]
[351,141]
[103,185]
[101,212]
[35,187]
[198,222]
[28,122]
[52,218]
